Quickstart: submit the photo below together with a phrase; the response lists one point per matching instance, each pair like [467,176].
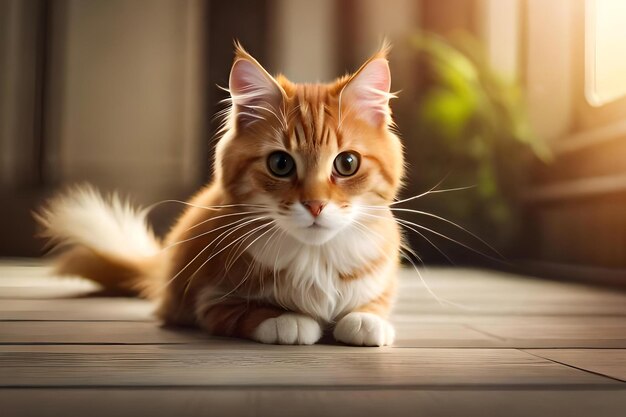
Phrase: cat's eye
[347,163]
[281,164]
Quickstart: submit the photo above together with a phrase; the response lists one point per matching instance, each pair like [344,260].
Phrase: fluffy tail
[102,239]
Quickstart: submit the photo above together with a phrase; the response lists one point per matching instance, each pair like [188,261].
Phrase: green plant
[471,126]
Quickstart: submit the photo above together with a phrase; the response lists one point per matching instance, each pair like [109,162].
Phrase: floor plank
[312,402]
[511,346]
[119,332]
[418,334]
[479,293]
[91,309]
[555,332]
[609,362]
[241,363]
[97,332]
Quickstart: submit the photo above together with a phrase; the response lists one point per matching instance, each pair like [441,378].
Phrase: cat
[292,237]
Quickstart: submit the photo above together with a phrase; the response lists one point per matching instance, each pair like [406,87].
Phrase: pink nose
[315,207]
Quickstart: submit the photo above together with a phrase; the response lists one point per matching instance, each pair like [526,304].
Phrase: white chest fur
[309,280]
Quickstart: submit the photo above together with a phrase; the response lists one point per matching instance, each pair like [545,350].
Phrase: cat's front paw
[288,329]
[364,329]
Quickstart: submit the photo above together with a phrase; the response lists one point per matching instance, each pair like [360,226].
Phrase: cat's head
[315,154]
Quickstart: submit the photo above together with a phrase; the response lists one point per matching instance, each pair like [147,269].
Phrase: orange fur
[213,274]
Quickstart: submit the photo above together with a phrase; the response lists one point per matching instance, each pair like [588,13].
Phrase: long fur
[105,239]
[247,258]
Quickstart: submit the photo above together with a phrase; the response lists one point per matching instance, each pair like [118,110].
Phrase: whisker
[425,213]
[244,236]
[406,223]
[217,207]
[230,263]
[204,233]
[366,231]
[224,238]
[280,120]
[423,237]
[192,276]
[254,263]
[269,239]
[432,191]
[207,246]
[275,271]
[441,181]
[419,274]
[404,248]
[225,215]
[213,255]
[440,300]
[232,228]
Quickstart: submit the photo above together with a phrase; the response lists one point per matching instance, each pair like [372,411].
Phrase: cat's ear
[367,93]
[254,92]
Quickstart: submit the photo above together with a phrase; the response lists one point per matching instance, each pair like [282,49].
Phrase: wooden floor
[511,346]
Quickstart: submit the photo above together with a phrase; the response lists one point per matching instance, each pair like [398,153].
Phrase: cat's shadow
[327,338]
[97,293]
[101,293]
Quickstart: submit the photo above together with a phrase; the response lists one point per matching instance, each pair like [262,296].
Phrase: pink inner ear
[251,85]
[376,75]
[367,95]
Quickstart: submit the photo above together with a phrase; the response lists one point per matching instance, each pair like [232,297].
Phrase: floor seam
[574,366]
[345,387]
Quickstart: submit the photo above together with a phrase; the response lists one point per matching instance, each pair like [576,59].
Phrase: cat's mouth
[317,224]
[314,233]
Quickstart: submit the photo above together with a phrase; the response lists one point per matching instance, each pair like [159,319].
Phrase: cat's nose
[315,207]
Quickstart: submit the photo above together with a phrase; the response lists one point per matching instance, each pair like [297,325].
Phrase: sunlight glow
[605,51]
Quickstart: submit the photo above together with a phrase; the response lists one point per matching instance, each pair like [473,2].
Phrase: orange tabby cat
[283,243]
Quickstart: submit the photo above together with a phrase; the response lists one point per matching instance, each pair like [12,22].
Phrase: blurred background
[524,100]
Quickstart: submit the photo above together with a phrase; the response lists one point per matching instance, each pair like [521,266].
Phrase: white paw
[288,329]
[364,329]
